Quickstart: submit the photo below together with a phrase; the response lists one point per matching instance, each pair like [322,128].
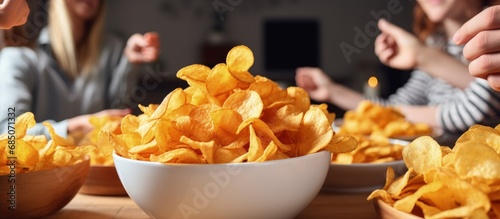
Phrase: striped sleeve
[478,104]
[414,92]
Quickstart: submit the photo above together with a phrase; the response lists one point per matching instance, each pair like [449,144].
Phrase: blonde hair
[71,60]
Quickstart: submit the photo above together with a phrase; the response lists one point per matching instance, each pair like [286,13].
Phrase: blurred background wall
[336,35]
[202,31]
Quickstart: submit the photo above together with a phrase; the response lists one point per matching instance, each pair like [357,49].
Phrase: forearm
[443,66]
[344,97]
[421,114]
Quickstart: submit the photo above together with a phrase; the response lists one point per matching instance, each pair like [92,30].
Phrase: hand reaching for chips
[370,118]
[34,153]
[462,182]
[227,115]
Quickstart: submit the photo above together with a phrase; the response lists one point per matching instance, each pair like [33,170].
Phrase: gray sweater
[31,81]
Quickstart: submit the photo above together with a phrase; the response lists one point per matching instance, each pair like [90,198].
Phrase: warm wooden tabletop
[325,205]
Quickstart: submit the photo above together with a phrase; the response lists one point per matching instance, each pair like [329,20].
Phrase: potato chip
[247,103]
[463,182]
[422,154]
[240,59]
[467,164]
[220,75]
[36,152]
[370,118]
[227,115]
[315,132]
[195,75]
[370,149]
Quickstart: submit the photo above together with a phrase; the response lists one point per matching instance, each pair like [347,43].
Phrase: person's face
[83,9]
[439,10]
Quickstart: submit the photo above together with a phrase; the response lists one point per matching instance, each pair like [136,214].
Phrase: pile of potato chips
[34,153]
[463,182]
[227,115]
[101,155]
[371,149]
[371,118]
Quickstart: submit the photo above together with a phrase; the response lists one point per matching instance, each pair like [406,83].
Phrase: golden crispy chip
[228,155]
[206,148]
[481,134]
[300,98]
[255,148]
[397,186]
[195,75]
[286,118]
[477,160]
[315,132]
[23,123]
[220,81]
[342,144]
[179,155]
[422,154]
[145,149]
[26,155]
[196,96]
[239,59]
[247,103]
[269,152]
[407,203]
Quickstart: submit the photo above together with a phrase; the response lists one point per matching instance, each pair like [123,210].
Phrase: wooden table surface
[325,205]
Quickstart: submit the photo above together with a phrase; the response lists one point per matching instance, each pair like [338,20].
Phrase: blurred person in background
[75,70]
[481,36]
[440,91]
[13,13]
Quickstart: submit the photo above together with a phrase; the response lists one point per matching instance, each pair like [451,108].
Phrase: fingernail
[457,38]
[382,23]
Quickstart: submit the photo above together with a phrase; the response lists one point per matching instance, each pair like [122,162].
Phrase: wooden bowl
[40,193]
[388,212]
[103,180]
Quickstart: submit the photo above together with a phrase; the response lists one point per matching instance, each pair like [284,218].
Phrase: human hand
[80,125]
[315,82]
[481,36]
[13,13]
[143,48]
[396,47]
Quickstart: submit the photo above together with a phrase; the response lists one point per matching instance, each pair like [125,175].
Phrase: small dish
[103,180]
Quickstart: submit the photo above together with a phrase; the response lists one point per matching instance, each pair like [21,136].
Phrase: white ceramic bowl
[272,189]
[362,177]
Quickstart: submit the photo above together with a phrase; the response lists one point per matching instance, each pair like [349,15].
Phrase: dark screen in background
[289,44]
